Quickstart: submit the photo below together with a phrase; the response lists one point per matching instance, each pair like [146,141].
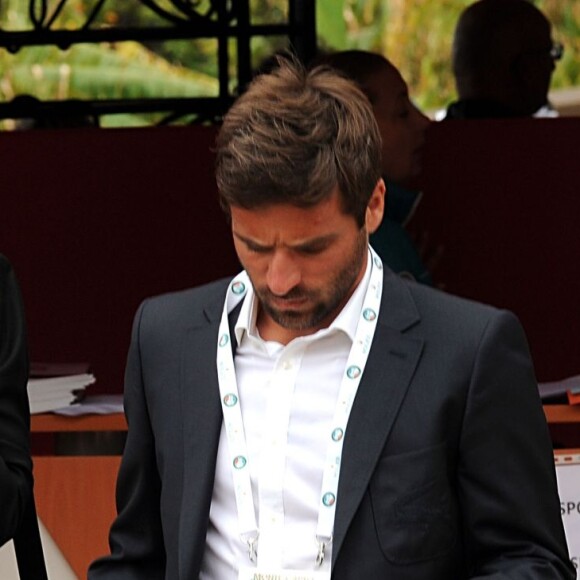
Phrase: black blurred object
[32,113]
[28,546]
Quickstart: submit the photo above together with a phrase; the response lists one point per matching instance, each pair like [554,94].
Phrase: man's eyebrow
[250,241]
[321,241]
[306,244]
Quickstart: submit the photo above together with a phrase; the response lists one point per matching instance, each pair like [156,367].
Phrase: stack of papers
[554,389]
[94,405]
[51,393]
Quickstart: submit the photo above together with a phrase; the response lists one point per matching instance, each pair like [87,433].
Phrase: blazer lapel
[388,373]
[202,410]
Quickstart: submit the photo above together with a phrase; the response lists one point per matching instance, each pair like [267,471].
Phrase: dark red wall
[96,220]
[503,197]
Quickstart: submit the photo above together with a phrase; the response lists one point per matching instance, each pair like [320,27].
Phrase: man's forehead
[288,215]
[280,199]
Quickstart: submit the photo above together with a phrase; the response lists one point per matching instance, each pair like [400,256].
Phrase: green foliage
[415,35]
[330,23]
[365,22]
[565,18]
[268,11]
[98,72]
[123,70]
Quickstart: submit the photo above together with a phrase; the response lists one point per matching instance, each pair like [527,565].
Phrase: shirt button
[287,365]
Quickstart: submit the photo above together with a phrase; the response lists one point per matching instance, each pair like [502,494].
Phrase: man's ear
[376,207]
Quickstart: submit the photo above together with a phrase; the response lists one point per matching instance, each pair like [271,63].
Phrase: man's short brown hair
[293,136]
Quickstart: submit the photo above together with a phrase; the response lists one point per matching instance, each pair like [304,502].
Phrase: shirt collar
[346,321]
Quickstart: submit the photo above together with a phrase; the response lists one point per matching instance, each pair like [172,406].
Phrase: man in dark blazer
[435,461]
[15,462]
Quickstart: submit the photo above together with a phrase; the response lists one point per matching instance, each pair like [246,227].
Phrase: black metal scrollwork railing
[221,20]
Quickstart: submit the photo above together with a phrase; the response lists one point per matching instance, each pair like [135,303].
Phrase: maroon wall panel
[503,197]
[94,221]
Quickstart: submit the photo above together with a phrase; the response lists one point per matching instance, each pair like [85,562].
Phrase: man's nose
[283,273]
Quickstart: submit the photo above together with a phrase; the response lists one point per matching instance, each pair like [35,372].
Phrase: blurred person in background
[503,57]
[402,126]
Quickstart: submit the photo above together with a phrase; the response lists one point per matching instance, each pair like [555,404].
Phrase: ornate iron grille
[222,20]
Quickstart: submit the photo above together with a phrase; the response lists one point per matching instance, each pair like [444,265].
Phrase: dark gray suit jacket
[447,468]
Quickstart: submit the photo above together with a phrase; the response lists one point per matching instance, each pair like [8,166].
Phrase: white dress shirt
[288,396]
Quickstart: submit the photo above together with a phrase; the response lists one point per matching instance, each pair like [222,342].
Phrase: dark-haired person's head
[298,170]
[503,54]
[295,135]
[401,124]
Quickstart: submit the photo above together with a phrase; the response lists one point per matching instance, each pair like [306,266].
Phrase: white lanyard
[230,399]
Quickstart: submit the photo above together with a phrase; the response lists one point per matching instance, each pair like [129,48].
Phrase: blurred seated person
[503,58]
[402,127]
[15,461]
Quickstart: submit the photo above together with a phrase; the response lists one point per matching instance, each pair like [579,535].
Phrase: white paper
[568,474]
[99,404]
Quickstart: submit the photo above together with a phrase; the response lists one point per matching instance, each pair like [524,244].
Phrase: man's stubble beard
[341,286]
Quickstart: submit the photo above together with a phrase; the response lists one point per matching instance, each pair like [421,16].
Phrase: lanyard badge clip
[320,555]
[252,544]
